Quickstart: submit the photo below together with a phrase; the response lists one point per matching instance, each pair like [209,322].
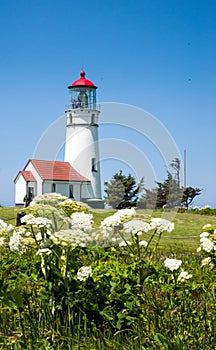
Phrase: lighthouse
[81,145]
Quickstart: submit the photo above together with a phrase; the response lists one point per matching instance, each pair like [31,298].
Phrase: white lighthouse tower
[82,147]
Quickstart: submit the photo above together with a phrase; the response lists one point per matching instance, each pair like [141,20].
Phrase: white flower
[172,264]
[72,237]
[162,225]
[205,261]
[17,241]
[3,224]
[184,275]
[84,273]
[199,249]
[44,251]
[143,243]
[206,244]
[204,234]
[82,221]
[136,227]
[2,241]
[38,236]
[36,222]
[115,220]
[206,226]
[124,243]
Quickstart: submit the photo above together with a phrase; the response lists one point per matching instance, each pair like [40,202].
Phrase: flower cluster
[84,273]
[184,275]
[53,199]
[4,231]
[17,241]
[136,227]
[82,221]
[115,220]
[208,240]
[75,238]
[207,262]
[69,206]
[208,246]
[39,222]
[5,228]
[162,225]
[172,264]
[3,224]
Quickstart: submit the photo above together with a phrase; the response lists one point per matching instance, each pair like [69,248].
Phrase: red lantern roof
[82,81]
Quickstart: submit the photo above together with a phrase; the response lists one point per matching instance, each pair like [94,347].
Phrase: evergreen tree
[169,193]
[189,193]
[122,191]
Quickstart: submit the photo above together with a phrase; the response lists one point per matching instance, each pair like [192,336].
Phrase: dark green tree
[148,199]
[122,191]
[168,192]
[189,193]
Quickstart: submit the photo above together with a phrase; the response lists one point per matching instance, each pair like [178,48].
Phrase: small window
[53,187]
[94,164]
[93,119]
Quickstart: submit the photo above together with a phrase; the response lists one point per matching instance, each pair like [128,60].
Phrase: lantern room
[82,93]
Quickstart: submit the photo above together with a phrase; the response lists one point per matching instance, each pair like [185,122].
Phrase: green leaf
[162,341]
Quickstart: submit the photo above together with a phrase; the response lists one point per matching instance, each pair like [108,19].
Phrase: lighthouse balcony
[79,105]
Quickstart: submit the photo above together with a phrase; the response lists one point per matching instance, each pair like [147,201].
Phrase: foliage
[122,191]
[169,193]
[70,207]
[63,290]
[189,193]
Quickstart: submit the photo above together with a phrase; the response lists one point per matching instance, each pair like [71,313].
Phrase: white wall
[20,190]
[82,146]
[38,179]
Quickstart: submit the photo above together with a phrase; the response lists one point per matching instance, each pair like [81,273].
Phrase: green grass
[185,236]
[8,214]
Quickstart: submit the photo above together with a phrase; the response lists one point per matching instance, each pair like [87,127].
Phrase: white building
[78,177]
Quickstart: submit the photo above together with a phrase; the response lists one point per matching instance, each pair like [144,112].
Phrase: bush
[62,290]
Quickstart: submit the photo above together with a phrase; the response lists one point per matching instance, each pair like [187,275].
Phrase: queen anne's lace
[36,221]
[71,237]
[82,221]
[136,227]
[184,275]
[114,220]
[17,241]
[206,244]
[172,264]
[162,225]
[84,273]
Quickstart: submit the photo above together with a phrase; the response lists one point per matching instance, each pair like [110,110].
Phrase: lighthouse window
[93,119]
[94,164]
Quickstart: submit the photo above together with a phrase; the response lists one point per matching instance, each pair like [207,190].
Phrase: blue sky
[156,55]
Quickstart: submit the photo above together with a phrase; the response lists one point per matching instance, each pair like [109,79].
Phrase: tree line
[123,191]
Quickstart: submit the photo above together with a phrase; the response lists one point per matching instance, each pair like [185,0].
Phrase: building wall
[20,190]
[38,179]
[82,147]
[79,189]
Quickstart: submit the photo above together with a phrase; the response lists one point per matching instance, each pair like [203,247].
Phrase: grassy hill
[188,226]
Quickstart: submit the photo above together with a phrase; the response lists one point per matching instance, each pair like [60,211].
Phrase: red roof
[57,171]
[28,176]
[82,81]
